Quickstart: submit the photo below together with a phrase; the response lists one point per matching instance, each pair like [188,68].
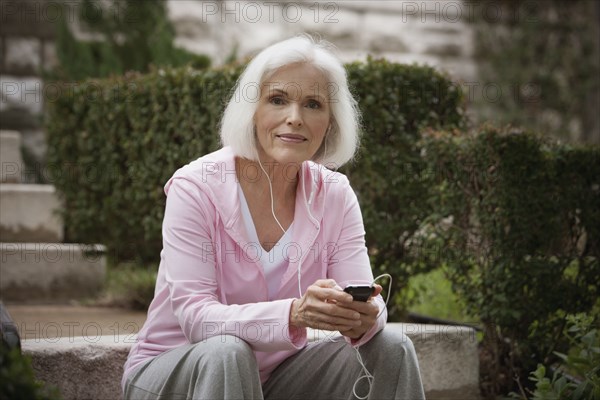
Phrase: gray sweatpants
[225,368]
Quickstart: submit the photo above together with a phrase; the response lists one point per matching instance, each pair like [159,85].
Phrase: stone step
[90,367]
[29,213]
[50,272]
[11,162]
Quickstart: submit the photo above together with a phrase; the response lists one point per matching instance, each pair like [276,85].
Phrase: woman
[258,240]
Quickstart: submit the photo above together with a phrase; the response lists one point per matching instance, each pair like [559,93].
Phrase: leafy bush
[397,102]
[578,376]
[517,222]
[18,381]
[113,144]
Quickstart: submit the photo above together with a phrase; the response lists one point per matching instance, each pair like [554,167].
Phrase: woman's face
[293,114]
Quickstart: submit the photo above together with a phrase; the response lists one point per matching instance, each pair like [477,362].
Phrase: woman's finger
[323,291]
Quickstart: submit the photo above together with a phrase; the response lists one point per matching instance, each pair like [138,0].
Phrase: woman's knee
[391,343]
[223,349]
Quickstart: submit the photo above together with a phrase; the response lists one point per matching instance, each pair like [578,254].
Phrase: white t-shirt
[275,261]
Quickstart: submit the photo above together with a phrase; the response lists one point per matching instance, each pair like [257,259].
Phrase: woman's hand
[324,306]
[368,315]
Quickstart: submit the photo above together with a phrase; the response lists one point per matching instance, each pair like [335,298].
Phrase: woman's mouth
[291,138]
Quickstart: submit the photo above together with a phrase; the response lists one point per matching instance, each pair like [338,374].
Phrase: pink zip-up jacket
[209,281]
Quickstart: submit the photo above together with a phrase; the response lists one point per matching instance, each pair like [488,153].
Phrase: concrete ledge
[448,358]
[50,272]
[81,367]
[29,213]
[91,367]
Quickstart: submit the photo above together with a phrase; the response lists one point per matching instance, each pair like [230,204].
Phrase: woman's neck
[252,175]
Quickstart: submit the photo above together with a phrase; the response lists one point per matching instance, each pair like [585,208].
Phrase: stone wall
[432,32]
[27,49]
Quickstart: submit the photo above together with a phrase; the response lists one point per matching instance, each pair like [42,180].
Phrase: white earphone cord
[365,372]
[272,201]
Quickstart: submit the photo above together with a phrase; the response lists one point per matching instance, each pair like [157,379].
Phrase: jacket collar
[215,174]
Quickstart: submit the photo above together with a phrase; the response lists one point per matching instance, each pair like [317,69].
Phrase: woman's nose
[294,117]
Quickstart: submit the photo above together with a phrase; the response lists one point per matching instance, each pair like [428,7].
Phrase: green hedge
[517,224]
[397,102]
[114,143]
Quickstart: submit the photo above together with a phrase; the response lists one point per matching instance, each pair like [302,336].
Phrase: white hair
[237,125]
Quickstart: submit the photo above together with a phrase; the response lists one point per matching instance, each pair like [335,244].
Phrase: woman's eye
[277,100]
[314,104]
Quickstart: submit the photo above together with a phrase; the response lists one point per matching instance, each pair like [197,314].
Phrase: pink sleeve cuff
[298,337]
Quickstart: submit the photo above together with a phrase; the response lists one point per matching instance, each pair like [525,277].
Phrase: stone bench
[90,367]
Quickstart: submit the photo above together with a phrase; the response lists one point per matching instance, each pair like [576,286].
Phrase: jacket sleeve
[349,261]
[192,277]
